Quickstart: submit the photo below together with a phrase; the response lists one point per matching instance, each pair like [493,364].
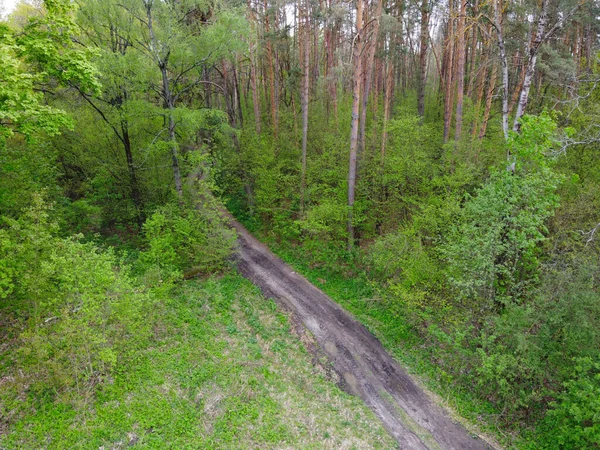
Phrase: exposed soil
[364,367]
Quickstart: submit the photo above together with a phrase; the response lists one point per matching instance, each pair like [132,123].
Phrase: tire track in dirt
[366,369]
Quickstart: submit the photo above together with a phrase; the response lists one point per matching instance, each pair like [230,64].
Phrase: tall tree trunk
[513,99]
[228,95]
[169,101]
[253,76]
[488,102]
[207,90]
[331,78]
[334,79]
[174,151]
[389,80]
[423,57]
[133,181]
[238,99]
[531,63]
[315,53]
[271,72]
[473,44]
[255,99]
[305,93]
[124,138]
[356,82]
[449,82]
[396,41]
[481,77]
[500,36]
[368,76]
[541,35]
[460,69]
[327,69]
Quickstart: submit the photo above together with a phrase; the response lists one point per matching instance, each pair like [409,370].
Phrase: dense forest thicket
[442,155]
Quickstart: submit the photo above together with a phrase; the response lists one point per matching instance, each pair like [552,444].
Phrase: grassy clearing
[224,370]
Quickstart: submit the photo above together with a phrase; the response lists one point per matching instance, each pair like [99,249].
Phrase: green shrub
[88,312]
[493,251]
[574,420]
[520,359]
[81,310]
[326,222]
[182,239]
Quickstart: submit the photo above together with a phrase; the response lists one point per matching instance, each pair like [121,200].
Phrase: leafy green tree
[110,31]
[36,59]
[177,40]
[22,109]
[493,252]
[79,309]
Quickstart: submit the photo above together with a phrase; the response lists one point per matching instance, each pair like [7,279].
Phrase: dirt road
[367,370]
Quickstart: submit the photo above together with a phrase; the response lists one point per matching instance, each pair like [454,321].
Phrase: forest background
[432,165]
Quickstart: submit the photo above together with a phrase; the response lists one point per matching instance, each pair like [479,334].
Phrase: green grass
[224,370]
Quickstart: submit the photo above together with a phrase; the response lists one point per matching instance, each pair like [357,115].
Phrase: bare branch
[590,234]
[591,135]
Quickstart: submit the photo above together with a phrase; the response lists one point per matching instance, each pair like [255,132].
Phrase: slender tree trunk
[481,77]
[500,35]
[449,83]
[397,40]
[474,44]
[174,152]
[253,76]
[488,102]
[207,90]
[169,102]
[531,63]
[330,37]
[541,35]
[305,94]
[327,72]
[271,73]
[124,138]
[357,78]
[228,95]
[238,100]
[437,65]
[315,53]
[368,77]
[389,80]
[333,85]
[255,99]
[460,72]
[133,181]
[423,57]
[513,100]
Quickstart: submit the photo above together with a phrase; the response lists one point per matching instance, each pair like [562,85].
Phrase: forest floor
[363,366]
